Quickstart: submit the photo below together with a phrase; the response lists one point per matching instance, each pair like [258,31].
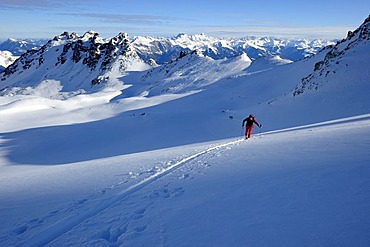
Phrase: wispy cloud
[40,4]
[330,32]
[262,22]
[148,27]
[24,4]
[130,19]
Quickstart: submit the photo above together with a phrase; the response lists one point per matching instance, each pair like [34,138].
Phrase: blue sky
[327,19]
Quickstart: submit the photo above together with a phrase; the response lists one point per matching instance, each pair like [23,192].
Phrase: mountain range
[81,62]
[19,46]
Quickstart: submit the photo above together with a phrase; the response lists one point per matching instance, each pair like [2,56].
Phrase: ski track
[64,225]
[321,124]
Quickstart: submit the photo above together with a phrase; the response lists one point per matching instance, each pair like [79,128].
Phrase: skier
[249,125]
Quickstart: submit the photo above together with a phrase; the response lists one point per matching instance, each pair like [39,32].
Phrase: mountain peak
[90,35]
[120,39]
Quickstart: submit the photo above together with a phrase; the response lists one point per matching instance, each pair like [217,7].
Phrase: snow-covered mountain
[17,46]
[76,63]
[192,71]
[165,50]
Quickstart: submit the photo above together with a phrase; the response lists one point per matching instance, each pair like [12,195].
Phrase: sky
[329,19]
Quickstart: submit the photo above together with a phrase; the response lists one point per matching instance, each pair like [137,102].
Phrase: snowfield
[307,186]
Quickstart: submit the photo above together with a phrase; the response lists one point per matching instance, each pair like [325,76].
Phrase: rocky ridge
[334,58]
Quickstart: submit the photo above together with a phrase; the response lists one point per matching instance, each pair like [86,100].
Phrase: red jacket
[250,121]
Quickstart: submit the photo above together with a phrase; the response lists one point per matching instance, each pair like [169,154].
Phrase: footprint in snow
[167,193]
[20,230]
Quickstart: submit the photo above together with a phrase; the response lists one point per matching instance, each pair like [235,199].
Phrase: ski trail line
[65,225]
[321,124]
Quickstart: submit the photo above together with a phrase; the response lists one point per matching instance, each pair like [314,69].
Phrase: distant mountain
[17,47]
[164,50]
[11,49]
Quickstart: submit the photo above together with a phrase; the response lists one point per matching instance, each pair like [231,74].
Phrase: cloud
[40,4]
[23,4]
[131,19]
[329,32]
[148,25]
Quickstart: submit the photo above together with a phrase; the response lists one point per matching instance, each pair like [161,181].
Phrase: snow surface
[307,186]
[145,164]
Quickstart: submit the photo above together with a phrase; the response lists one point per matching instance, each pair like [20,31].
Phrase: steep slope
[351,51]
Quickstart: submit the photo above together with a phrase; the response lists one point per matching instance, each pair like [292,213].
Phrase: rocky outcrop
[333,57]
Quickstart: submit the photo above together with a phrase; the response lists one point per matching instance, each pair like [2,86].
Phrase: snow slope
[306,186]
[170,168]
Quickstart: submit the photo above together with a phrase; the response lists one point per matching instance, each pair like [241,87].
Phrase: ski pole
[260,131]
